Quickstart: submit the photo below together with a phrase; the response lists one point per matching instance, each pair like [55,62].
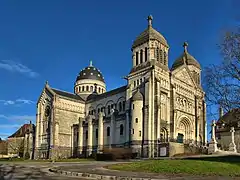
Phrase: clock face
[47,111]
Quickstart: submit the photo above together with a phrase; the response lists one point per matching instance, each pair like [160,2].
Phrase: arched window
[136,58]
[102,90]
[134,83]
[79,89]
[137,82]
[120,107]
[108,131]
[141,81]
[86,134]
[109,109]
[91,88]
[83,88]
[99,90]
[76,89]
[157,54]
[96,133]
[87,88]
[146,51]
[161,56]
[136,120]
[98,110]
[165,58]
[123,104]
[121,129]
[141,56]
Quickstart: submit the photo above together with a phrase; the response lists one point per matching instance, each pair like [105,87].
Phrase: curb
[98,176]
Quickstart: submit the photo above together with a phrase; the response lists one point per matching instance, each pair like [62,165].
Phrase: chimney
[220,112]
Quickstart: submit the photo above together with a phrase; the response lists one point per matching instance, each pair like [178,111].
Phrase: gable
[183,75]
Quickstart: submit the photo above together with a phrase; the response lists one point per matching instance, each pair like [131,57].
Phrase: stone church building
[158,104]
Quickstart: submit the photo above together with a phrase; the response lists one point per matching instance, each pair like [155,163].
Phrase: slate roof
[149,34]
[90,72]
[230,119]
[106,94]
[67,94]
[185,58]
[23,130]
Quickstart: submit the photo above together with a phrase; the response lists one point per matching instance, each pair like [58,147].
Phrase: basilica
[159,104]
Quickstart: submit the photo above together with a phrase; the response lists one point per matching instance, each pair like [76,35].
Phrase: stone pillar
[127,130]
[232,145]
[143,55]
[80,136]
[213,144]
[134,59]
[37,132]
[150,118]
[153,114]
[158,111]
[100,132]
[112,128]
[90,135]
[172,118]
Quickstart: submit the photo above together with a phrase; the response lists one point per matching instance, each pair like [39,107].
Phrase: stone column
[158,116]
[127,130]
[172,118]
[150,118]
[37,131]
[112,128]
[205,121]
[213,144]
[100,132]
[232,145]
[90,135]
[143,55]
[80,136]
[153,114]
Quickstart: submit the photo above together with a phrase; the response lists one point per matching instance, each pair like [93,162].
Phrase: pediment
[183,75]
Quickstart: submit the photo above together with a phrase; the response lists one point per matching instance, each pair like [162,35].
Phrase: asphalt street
[22,172]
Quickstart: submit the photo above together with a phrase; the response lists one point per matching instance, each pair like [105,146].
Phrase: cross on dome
[185,45]
[150,18]
[90,64]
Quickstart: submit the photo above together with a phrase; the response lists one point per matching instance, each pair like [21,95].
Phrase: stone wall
[175,148]
[16,146]
[226,138]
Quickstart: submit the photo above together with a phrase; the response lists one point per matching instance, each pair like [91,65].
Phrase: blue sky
[53,40]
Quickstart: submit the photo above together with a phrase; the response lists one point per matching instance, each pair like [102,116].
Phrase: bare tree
[222,82]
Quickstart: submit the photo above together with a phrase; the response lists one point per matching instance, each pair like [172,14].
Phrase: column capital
[101,114]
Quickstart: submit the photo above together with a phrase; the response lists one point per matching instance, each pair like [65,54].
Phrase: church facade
[157,105]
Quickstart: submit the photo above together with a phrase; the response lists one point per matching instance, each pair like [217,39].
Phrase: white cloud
[25,118]
[16,102]
[25,101]
[7,126]
[13,66]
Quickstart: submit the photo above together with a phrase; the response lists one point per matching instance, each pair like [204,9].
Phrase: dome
[137,96]
[90,72]
[149,34]
[185,58]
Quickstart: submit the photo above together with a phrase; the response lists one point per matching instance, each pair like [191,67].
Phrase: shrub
[27,155]
[105,157]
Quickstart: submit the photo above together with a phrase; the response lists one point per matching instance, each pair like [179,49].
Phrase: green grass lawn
[190,167]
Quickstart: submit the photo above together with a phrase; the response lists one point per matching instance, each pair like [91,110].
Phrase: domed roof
[90,72]
[185,58]
[149,34]
[137,96]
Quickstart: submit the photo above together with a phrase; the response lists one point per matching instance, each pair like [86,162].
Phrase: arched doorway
[184,130]
[163,135]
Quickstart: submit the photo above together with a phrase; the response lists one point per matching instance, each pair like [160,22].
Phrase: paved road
[22,172]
